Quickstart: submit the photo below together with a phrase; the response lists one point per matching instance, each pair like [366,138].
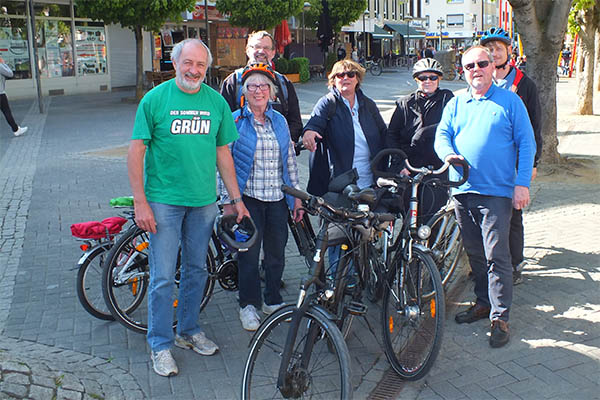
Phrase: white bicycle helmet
[427,65]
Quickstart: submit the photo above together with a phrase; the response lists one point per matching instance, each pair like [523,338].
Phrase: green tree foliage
[344,12]
[575,15]
[258,14]
[136,15]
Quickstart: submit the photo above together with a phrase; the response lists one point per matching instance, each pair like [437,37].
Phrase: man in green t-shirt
[182,128]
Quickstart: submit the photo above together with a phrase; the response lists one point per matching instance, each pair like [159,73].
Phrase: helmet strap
[502,65]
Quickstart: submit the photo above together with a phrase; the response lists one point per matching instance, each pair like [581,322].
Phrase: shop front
[71,50]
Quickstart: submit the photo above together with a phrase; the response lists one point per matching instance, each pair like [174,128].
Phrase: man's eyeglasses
[432,78]
[480,64]
[253,88]
[258,47]
[349,74]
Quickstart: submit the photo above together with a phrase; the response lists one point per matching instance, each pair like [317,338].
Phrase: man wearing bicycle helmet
[412,129]
[489,128]
[498,41]
[181,132]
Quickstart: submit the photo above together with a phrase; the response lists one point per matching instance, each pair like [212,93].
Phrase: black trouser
[6,111]
[516,237]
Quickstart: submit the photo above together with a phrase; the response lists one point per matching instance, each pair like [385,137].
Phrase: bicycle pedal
[356,308]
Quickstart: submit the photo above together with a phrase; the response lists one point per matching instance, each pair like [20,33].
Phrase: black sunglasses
[431,78]
[480,64]
[349,74]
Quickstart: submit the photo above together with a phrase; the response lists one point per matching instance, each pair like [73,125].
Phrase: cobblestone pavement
[66,168]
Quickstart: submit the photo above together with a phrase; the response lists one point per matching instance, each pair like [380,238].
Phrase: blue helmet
[495,34]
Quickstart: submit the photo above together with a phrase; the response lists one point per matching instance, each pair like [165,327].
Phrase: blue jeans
[271,222]
[192,227]
[484,225]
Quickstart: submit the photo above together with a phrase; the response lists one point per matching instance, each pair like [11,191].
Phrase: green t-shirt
[181,132]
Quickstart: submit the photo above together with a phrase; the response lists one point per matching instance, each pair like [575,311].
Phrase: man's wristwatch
[235,201]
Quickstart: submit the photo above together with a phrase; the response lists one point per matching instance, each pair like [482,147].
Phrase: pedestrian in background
[180,136]
[489,128]
[6,72]
[264,159]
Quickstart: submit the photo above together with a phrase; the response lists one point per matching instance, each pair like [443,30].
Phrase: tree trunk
[597,53]
[585,62]
[542,24]
[585,82]
[139,63]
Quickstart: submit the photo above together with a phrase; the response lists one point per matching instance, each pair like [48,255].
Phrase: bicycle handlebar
[340,212]
[423,170]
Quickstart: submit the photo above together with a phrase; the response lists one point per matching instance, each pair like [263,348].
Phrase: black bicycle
[413,297]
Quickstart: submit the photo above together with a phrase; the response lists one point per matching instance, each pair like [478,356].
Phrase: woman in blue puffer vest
[264,159]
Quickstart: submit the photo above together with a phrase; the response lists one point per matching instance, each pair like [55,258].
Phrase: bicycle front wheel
[445,243]
[376,69]
[313,371]
[89,284]
[413,323]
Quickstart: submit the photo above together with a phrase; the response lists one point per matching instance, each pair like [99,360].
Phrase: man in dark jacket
[499,43]
[261,49]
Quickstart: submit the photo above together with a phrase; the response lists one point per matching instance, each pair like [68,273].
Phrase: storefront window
[90,48]
[14,46]
[55,49]
[12,7]
[51,10]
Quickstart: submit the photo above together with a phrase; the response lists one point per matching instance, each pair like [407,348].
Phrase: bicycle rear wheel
[126,278]
[412,323]
[313,370]
[445,243]
[376,69]
[89,284]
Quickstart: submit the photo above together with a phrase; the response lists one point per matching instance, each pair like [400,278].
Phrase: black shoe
[472,314]
[517,278]
[499,333]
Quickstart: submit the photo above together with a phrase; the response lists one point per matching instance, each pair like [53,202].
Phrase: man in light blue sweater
[6,72]
[488,127]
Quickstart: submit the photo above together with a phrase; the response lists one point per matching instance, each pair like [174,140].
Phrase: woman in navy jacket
[350,127]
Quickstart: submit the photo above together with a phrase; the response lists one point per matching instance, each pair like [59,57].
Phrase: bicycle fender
[423,248]
[88,253]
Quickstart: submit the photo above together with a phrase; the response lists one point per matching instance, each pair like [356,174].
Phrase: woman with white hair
[264,159]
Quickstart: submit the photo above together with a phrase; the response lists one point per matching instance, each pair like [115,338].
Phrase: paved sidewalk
[71,162]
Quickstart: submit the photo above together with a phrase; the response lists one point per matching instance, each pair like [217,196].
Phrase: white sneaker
[249,317]
[164,363]
[197,342]
[20,131]
[267,309]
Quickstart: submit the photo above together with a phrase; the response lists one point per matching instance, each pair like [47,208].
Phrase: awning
[401,29]
[380,33]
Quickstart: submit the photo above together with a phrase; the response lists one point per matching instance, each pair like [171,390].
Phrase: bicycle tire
[321,378]
[445,243]
[375,69]
[374,272]
[412,325]
[134,314]
[89,284]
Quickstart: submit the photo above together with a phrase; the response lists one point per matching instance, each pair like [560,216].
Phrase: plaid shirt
[266,174]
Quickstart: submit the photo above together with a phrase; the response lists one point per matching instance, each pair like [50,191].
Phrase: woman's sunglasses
[430,77]
[480,64]
[349,74]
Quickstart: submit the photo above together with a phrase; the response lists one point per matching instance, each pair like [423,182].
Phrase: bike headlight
[423,232]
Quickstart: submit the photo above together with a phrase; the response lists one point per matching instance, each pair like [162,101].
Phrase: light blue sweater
[489,133]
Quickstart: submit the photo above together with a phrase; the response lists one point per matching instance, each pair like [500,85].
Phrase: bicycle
[413,300]
[310,351]
[373,66]
[95,245]
[126,272]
